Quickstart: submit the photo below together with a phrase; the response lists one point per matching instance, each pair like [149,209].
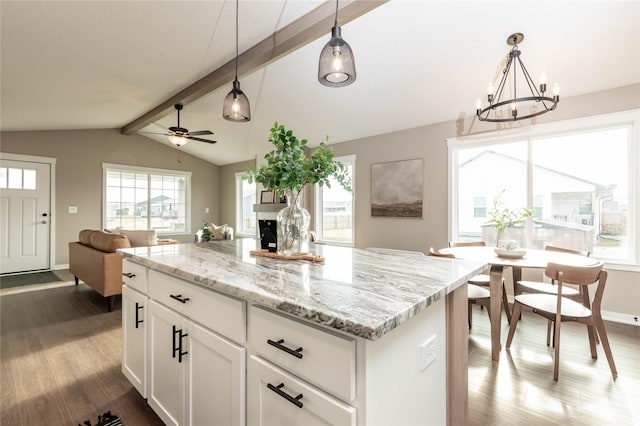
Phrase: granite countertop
[365,293]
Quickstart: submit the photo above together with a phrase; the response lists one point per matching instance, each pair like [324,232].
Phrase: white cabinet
[195,376]
[275,397]
[134,338]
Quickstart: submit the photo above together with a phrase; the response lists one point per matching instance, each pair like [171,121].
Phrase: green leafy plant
[289,168]
[503,217]
[206,234]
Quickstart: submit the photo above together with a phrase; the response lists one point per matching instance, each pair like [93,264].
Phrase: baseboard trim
[58,267]
[621,318]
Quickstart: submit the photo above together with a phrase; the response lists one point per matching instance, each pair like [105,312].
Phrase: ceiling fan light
[337,67]
[236,105]
[178,140]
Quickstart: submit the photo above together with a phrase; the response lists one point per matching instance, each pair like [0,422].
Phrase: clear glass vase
[293,227]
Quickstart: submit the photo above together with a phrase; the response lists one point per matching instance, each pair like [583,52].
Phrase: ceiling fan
[179,136]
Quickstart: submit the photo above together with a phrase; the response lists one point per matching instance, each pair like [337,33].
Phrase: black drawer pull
[295,401]
[279,344]
[129,274]
[179,298]
[138,321]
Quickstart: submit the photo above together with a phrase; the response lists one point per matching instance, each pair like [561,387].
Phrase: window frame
[106,167]
[239,206]
[318,207]
[629,119]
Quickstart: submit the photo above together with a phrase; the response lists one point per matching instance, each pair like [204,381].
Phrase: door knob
[44,222]
[44,214]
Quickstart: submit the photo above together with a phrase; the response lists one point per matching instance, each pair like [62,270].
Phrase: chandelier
[500,109]
[236,104]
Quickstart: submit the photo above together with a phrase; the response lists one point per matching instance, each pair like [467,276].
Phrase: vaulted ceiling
[105,64]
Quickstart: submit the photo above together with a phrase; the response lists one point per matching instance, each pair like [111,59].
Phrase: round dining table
[532,258]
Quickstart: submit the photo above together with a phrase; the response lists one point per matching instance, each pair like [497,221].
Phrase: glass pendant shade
[236,105]
[178,140]
[337,67]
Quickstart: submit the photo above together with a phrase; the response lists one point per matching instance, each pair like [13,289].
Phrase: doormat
[26,279]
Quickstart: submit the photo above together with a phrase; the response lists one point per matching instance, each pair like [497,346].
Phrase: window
[577,175]
[479,206]
[143,198]
[245,199]
[13,178]
[334,211]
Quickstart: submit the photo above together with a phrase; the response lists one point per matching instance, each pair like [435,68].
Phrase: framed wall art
[267,197]
[397,188]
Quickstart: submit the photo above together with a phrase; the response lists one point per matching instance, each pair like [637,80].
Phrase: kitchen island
[366,337]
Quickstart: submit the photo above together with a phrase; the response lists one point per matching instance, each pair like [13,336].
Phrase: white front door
[25,216]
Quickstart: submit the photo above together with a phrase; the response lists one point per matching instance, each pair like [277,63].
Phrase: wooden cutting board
[307,256]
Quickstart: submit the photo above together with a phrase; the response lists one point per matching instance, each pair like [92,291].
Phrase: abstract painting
[396,188]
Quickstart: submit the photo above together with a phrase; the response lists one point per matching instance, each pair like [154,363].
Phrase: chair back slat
[569,251]
[467,244]
[577,275]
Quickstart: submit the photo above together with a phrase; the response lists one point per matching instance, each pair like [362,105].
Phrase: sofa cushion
[107,242]
[85,236]
[141,238]
[219,232]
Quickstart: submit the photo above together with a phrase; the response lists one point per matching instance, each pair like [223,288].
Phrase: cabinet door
[275,397]
[166,373]
[134,338]
[215,393]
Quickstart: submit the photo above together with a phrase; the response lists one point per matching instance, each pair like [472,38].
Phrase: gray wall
[80,154]
[429,143]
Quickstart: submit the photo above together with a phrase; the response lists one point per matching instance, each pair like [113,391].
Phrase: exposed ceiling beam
[300,32]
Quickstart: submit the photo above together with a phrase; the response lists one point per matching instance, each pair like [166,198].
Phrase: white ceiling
[102,64]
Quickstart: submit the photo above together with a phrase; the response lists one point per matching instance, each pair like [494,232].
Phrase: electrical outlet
[73,209]
[427,353]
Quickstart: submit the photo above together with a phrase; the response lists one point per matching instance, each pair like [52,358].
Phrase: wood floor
[61,355]
[519,388]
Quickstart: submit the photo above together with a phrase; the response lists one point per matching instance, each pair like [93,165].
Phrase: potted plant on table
[288,170]
[503,218]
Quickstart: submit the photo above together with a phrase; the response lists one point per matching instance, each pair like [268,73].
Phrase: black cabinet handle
[138,321]
[128,274]
[279,344]
[294,400]
[177,346]
[180,352]
[179,298]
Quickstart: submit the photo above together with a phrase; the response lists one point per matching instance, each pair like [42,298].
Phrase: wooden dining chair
[483,280]
[580,294]
[559,308]
[476,295]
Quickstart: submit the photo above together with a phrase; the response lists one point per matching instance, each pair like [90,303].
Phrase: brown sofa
[93,259]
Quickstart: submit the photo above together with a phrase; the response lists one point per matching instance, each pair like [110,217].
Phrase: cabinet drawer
[134,276]
[275,397]
[325,359]
[222,314]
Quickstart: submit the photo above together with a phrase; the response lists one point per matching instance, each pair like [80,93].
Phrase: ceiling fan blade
[200,139]
[155,133]
[201,132]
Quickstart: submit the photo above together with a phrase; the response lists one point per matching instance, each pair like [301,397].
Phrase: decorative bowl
[510,254]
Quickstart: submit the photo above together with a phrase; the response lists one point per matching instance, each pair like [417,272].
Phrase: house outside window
[577,175]
[145,198]
[479,206]
[334,209]
[245,199]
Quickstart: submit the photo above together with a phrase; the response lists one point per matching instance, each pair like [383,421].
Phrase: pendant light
[337,67]
[236,104]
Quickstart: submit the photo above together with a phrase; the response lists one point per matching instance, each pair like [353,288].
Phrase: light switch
[206,209]
[73,209]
